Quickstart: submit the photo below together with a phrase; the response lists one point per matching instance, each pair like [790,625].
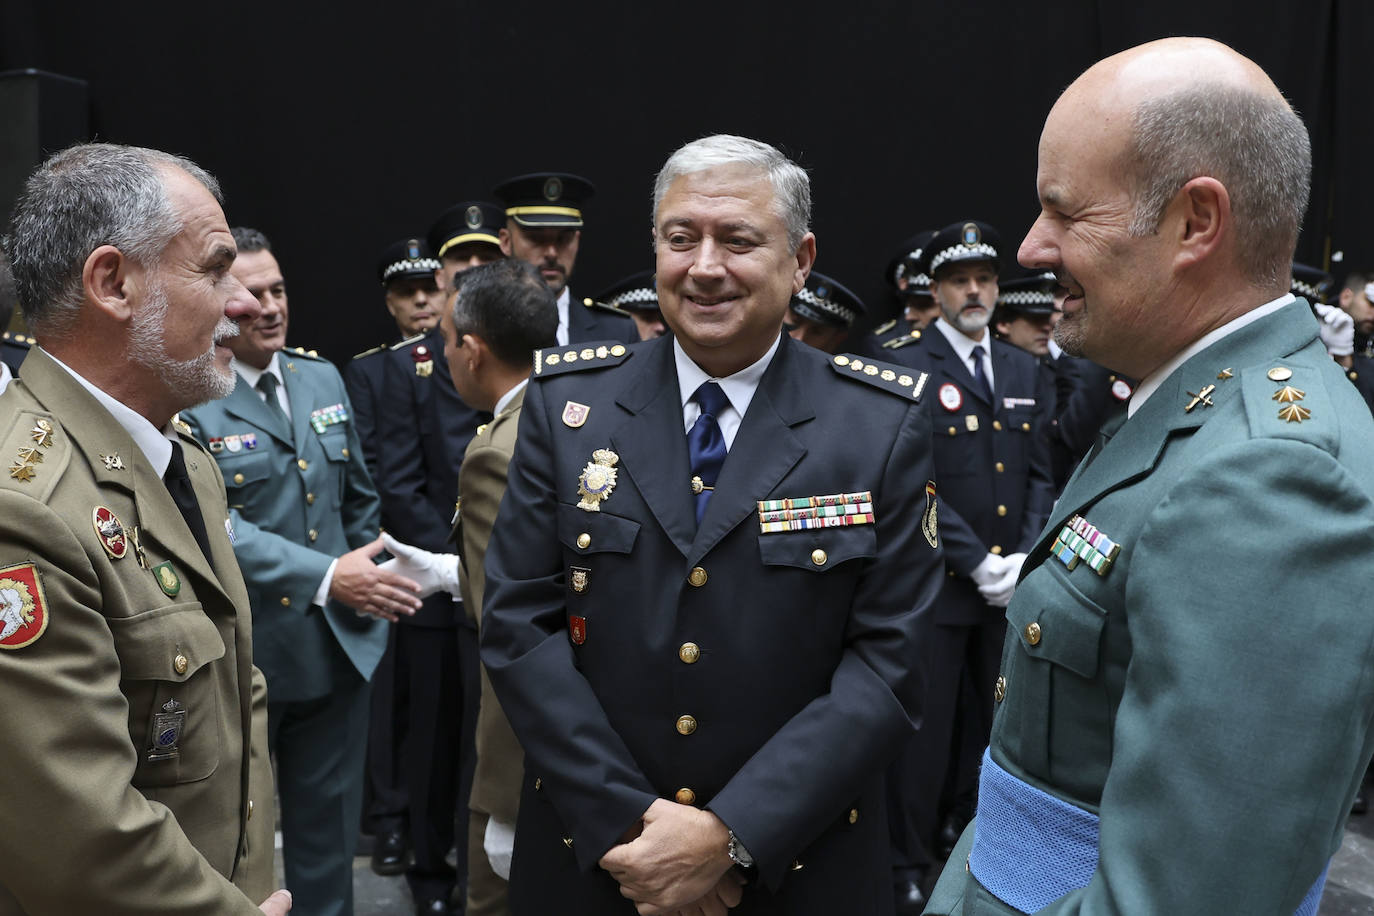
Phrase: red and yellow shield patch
[23,609]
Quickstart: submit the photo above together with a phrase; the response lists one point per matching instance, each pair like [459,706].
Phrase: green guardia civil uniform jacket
[1187,684]
[134,748]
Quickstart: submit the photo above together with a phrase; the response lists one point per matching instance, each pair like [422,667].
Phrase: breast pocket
[1053,692]
[334,442]
[245,476]
[166,656]
[819,550]
[599,545]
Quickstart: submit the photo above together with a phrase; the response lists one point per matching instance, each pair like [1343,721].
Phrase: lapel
[764,450]
[245,403]
[300,397]
[954,368]
[94,432]
[1135,449]
[652,445]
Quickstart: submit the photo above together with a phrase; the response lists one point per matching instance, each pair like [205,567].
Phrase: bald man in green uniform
[1185,694]
[134,724]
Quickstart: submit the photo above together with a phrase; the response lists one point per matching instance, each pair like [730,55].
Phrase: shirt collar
[739,388]
[251,374]
[1150,384]
[508,397]
[963,347]
[155,444]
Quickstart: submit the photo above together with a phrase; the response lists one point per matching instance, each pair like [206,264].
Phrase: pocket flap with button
[150,644]
[1055,621]
[595,532]
[334,441]
[818,549]
[243,469]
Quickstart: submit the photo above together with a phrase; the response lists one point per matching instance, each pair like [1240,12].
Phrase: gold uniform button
[302,463]
[250,809]
[999,689]
[238,478]
[697,577]
[310,499]
[997,425]
[953,431]
[344,453]
[689,652]
[685,796]
[818,557]
[686,725]
[285,601]
[312,534]
[995,549]
[853,815]
[1033,633]
[584,540]
[999,467]
[180,664]
[1001,510]
[1025,427]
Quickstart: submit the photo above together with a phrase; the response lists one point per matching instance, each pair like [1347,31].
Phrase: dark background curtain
[337,129]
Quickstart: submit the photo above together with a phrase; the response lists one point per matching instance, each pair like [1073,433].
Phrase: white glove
[499,843]
[435,572]
[988,571]
[998,593]
[1338,329]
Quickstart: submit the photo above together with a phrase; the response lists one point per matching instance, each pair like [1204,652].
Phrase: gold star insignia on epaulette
[1225,373]
[30,456]
[1295,413]
[1288,394]
[42,433]
[21,471]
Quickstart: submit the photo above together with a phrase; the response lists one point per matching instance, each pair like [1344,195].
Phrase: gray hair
[1255,145]
[791,186]
[86,196]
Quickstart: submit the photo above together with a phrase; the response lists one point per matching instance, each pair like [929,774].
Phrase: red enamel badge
[23,610]
[577,630]
[110,530]
[951,398]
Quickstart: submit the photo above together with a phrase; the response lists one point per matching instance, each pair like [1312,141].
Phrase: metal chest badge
[167,728]
[110,532]
[597,480]
[167,579]
[424,361]
[575,414]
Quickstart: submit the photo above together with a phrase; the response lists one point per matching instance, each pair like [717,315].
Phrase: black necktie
[706,444]
[980,375]
[179,485]
[267,384]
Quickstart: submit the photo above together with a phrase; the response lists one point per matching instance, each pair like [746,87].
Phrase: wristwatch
[738,854]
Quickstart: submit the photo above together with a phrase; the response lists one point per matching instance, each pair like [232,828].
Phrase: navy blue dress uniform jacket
[298,499]
[423,428]
[767,677]
[363,382]
[991,462]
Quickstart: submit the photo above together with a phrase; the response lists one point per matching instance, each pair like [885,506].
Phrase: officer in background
[1355,299]
[136,770]
[424,427]
[13,347]
[821,314]
[912,289]
[544,228]
[706,676]
[305,517]
[991,405]
[637,296]
[465,235]
[409,275]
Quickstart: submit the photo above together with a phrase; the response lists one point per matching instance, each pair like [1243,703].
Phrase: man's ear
[109,279]
[504,240]
[1202,209]
[806,259]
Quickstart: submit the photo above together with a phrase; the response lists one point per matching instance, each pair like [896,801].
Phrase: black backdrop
[337,128]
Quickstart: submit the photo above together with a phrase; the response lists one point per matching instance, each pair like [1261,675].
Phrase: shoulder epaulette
[605,307]
[408,342]
[377,349]
[1289,400]
[897,343]
[574,357]
[35,451]
[302,351]
[883,328]
[900,380]
[19,340]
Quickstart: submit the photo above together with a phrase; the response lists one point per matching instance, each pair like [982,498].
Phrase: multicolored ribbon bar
[811,502]
[1080,540]
[782,515]
[807,512]
[325,417]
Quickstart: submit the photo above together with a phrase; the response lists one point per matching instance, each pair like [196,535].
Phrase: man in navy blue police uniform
[544,227]
[989,402]
[709,582]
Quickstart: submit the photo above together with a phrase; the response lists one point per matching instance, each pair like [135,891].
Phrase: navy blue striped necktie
[980,374]
[706,443]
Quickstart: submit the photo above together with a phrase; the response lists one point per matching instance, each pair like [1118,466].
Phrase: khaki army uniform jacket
[134,724]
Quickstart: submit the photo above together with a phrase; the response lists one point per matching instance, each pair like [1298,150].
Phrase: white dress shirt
[562,334]
[963,346]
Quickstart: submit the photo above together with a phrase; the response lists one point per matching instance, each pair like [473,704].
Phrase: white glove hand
[1337,329]
[998,593]
[435,572]
[499,845]
[988,571]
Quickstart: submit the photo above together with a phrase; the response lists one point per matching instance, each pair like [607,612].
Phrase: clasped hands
[996,577]
[675,863]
